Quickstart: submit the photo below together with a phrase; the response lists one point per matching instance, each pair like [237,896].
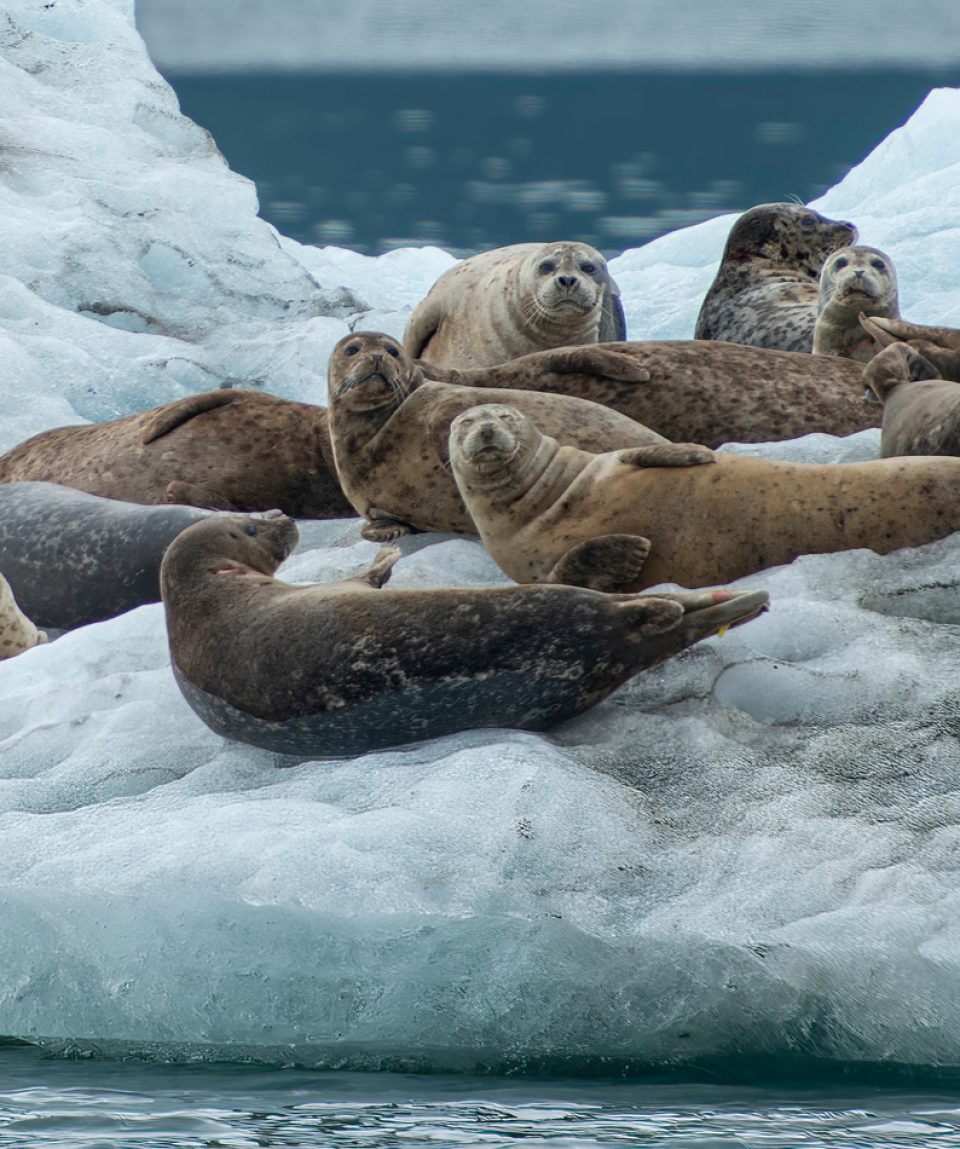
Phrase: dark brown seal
[514,300]
[921,411]
[855,281]
[390,429]
[227,449]
[767,287]
[697,391]
[345,668]
[548,513]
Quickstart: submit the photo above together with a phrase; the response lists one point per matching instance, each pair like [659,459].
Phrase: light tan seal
[855,281]
[635,518]
[17,632]
[390,429]
[513,300]
[695,390]
[227,450]
[921,411]
[766,290]
[346,667]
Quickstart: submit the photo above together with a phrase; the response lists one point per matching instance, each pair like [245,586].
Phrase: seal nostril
[567,280]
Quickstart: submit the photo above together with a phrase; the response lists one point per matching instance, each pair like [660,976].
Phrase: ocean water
[65,1103]
[472,161]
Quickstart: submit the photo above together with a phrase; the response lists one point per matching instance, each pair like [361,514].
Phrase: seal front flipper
[611,563]
[886,330]
[173,415]
[383,528]
[589,360]
[666,455]
[193,495]
[422,326]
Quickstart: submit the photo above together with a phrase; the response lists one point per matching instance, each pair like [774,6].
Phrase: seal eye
[351,349]
[808,222]
[546,267]
[394,352]
[250,529]
[588,268]
[840,263]
[878,264]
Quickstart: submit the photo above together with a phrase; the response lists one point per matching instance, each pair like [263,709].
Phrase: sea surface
[80,1104]
[476,160]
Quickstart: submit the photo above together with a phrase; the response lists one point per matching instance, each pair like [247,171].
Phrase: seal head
[855,281]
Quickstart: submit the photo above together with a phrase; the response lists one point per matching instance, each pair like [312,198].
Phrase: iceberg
[750,851]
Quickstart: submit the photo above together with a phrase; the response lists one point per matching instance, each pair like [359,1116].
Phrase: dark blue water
[70,1104]
[474,161]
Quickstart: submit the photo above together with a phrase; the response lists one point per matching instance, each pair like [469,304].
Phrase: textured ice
[752,849]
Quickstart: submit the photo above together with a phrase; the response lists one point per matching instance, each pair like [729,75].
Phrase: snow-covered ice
[751,849]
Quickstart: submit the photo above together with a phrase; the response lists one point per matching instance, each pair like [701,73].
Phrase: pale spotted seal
[390,429]
[676,513]
[227,449]
[695,390]
[855,281]
[17,632]
[73,558]
[921,411]
[514,300]
[766,290]
[345,668]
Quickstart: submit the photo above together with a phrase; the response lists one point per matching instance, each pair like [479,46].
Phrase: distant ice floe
[750,850]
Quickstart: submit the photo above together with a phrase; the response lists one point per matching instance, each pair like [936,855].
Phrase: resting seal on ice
[17,632]
[345,667]
[558,514]
[694,390]
[226,449]
[514,300]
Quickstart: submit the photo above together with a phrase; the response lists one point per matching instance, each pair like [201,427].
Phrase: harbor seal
[390,428]
[855,281]
[766,289]
[345,668]
[679,513]
[921,411]
[73,558]
[17,632]
[513,300]
[699,391]
[226,449]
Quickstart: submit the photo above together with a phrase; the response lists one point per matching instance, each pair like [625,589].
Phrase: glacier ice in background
[751,849]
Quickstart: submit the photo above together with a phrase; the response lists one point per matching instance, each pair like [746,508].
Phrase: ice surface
[751,849]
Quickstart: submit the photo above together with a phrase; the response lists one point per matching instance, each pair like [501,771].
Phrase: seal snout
[486,434]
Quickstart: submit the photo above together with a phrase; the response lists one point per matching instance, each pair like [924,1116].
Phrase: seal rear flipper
[173,415]
[613,322]
[193,495]
[611,563]
[886,331]
[381,568]
[667,455]
[383,528]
